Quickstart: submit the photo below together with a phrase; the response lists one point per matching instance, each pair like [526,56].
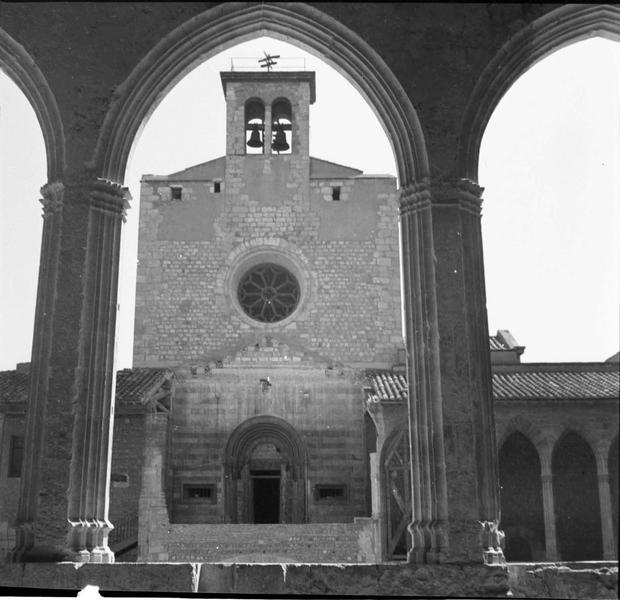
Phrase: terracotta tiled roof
[133,386]
[496,343]
[14,386]
[550,384]
[526,382]
[384,386]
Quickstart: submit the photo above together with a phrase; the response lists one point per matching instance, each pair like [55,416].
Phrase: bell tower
[267,131]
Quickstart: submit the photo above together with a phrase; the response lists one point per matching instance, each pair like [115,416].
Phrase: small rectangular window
[199,492]
[119,479]
[330,493]
[16,456]
[216,187]
[176,192]
[336,193]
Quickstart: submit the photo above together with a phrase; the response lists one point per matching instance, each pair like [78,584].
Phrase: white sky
[550,163]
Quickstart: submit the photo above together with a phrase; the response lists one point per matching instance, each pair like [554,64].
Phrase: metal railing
[125,532]
[282,63]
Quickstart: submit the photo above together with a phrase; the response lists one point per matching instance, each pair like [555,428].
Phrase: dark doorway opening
[266,496]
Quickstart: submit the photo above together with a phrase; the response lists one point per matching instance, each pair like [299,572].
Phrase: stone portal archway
[265,473]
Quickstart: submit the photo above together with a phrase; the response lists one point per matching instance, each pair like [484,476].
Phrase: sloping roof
[133,386]
[384,386]
[14,386]
[521,382]
[555,384]
[215,169]
[496,343]
[207,171]
[324,169]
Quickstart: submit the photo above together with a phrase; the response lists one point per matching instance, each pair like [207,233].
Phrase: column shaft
[467,401]
[92,435]
[37,450]
[424,406]
[69,419]
[551,545]
[604,494]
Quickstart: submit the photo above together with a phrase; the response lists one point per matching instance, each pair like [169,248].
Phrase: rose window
[268,293]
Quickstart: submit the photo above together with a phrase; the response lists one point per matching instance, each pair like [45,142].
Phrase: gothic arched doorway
[265,473]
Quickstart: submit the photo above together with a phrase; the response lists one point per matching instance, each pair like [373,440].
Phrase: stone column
[40,370]
[64,493]
[428,480]
[153,512]
[466,402]
[378,502]
[546,477]
[95,378]
[604,494]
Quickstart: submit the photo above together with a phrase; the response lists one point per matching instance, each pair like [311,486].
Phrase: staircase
[124,535]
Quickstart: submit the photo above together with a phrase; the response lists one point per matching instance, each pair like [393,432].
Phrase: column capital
[52,197]
[415,197]
[457,193]
[102,195]
[109,197]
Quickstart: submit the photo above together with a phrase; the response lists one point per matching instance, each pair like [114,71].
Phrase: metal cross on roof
[269,61]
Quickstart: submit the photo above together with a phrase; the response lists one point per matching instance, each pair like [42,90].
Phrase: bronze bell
[279,143]
[255,141]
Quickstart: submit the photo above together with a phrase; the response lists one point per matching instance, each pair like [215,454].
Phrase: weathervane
[268,60]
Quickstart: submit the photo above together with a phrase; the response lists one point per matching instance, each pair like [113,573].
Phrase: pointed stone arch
[210,32]
[556,29]
[22,69]
[527,428]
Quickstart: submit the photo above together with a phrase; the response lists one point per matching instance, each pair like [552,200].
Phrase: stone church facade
[433,74]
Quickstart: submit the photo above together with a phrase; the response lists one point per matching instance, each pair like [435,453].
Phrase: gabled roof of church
[215,169]
[324,169]
[207,171]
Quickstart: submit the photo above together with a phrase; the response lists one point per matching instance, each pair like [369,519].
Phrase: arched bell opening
[281,126]
[265,473]
[255,126]
[575,492]
[521,499]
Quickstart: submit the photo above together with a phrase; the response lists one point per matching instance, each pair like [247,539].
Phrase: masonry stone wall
[127,460]
[193,250]
[334,542]
[186,307]
[323,406]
